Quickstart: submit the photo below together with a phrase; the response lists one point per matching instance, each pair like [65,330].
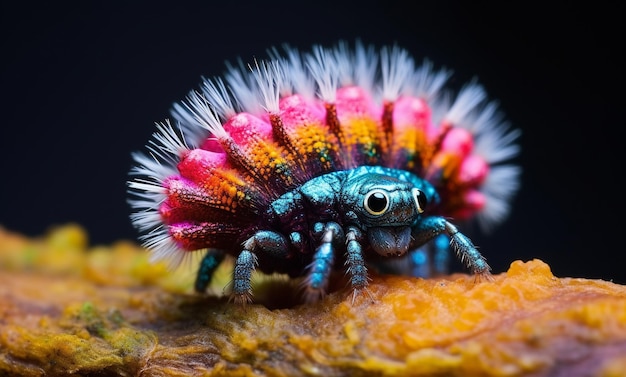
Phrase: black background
[83,84]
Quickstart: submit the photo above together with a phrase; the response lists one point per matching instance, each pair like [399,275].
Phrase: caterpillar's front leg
[355,261]
[430,227]
[272,244]
[319,270]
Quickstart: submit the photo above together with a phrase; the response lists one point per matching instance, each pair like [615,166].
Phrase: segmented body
[298,168]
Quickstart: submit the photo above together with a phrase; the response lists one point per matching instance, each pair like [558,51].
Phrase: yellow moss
[115,313]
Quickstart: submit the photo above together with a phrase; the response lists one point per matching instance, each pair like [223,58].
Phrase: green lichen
[82,340]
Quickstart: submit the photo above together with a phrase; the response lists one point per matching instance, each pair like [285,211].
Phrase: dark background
[82,86]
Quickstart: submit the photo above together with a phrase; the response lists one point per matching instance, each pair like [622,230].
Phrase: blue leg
[242,276]
[320,268]
[430,227]
[271,244]
[210,262]
[355,262]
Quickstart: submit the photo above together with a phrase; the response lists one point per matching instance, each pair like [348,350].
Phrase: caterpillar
[342,157]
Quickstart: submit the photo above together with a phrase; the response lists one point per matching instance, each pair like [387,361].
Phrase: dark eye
[376,202]
[420,200]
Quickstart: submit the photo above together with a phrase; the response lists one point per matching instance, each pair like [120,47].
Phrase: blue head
[385,204]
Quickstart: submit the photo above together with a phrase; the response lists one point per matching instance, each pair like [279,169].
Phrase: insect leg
[465,250]
[271,244]
[355,262]
[320,268]
[208,265]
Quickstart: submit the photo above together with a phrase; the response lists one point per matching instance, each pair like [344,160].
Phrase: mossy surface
[67,308]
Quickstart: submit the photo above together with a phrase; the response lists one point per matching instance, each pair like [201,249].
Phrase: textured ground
[69,308]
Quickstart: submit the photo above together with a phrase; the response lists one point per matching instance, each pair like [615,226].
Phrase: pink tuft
[212,145]
[199,164]
[166,212]
[355,101]
[296,111]
[459,142]
[411,112]
[245,127]
[474,170]
[474,201]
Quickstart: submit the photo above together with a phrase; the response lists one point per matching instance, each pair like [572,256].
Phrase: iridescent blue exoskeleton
[350,216]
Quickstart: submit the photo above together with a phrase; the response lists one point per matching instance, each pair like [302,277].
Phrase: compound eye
[420,200]
[376,202]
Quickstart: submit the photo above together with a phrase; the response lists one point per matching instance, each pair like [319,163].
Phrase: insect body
[297,167]
[353,210]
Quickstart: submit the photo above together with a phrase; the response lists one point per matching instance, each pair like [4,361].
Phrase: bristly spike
[266,75]
[426,83]
[164,248]
[323,67]
[146,190]
[345,64]
[494,140]
[387,128]
[501,184]
[219,97]
[242,85]
[282,80]
[147,194]
[497,140]
[397,67]
[296,79]
[365,66]
[196,111]
[169,140]
[467,101]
